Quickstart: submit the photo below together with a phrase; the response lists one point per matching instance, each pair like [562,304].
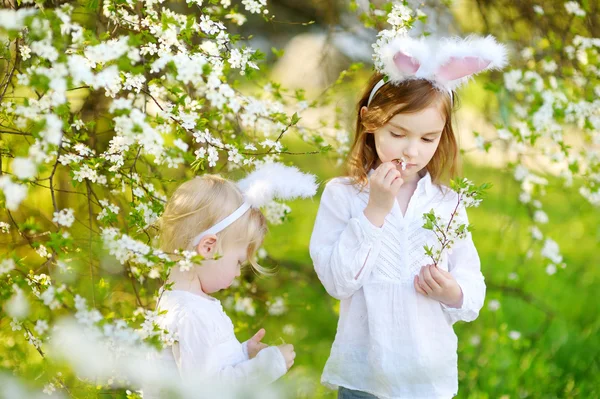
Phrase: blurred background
[538,335]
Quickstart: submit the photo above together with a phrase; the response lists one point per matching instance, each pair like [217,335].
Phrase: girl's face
[215,275]
[412,137]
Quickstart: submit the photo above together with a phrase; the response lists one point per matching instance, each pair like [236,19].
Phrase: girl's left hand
[254,344]
[440,285]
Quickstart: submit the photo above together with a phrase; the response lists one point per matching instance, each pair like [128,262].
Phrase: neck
[182,281]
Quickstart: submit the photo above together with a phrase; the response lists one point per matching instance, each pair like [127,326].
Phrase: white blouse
[391,341]
[206,347]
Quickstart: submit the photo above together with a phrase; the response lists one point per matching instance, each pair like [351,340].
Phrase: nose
[411,151]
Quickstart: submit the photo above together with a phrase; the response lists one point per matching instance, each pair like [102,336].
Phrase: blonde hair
[202,202]
[390,100]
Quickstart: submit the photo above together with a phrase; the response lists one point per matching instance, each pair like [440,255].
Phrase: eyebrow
[408,131]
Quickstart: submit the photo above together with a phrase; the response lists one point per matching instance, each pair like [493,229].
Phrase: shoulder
[341,186]
[182,311]
[444,193]
[448,200]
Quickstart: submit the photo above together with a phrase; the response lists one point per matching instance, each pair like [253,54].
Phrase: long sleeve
[199,359]
[465,266]
[343,248]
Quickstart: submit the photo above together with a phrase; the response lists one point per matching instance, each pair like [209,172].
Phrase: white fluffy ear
[275,180]
[447,63]
[460,59]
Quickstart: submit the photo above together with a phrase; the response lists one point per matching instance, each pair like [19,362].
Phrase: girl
[395,337]
[222,222]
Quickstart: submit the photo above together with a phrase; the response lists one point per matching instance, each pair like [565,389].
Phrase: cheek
[387,148]
[431,149]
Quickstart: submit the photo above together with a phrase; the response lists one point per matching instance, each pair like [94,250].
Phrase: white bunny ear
[460,59]
[275,180]
[447,63]
[406,64]
[457,68]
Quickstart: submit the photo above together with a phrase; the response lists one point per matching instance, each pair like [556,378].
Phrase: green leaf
[295,118]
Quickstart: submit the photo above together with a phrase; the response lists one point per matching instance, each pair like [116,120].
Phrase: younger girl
[395,337]
[224,225]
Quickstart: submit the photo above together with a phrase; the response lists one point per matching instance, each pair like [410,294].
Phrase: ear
[406,64]
[363,111]
[457,68]
[207,246]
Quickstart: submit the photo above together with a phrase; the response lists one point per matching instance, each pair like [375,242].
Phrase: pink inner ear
[457,68]
[405,63]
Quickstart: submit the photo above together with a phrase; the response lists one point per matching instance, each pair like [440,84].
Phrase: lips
[408,165]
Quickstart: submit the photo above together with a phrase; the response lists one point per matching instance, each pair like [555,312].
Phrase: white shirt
[206,347]
[391,341]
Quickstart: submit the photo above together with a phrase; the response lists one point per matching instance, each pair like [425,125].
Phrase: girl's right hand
[383,189]
[287,350]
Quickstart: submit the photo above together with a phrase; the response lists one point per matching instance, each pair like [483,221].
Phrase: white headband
[382,82]
[238,213]
[267,182]
[447,63]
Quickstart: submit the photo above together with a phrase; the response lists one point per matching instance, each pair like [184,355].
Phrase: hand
[383,189]
[254,345]
[440,285]
[287,350]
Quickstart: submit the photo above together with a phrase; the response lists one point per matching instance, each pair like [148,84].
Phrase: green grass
[556,355]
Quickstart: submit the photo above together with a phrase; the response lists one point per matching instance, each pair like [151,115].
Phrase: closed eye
[402,135]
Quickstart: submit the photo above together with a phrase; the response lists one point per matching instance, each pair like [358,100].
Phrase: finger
[445,273]
[396,184]
[259,335]
[381,169]
[429,279]
[418,287]
[436,274]
[422,283]
[391,175]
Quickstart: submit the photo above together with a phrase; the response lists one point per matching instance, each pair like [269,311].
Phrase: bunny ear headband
[267,182]
[447,63]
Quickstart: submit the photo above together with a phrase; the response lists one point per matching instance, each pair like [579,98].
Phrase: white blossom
[551,269]
[64,217]
[275,212]
[254,6]
[14,193]
[41,326]
[245,305]
[49,389]
[6,266]
[540,216]
[574,8]
[551,251]
[493,305]
[277,306]
[514,335]
[17,306]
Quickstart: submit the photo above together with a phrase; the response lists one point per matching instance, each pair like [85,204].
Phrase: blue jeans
[345,393]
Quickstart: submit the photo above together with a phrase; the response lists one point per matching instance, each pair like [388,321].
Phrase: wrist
[374,215]
[457,301]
